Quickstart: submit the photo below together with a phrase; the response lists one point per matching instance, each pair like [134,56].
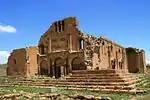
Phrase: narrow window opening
[59,26]
[116,54]
[103,43]
[119,50]
[14,61]
[63,25]
[103,47]
[56,29]
[80,44]
[42,49]
[111,48]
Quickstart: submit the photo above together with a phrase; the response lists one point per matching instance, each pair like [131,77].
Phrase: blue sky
[126,22]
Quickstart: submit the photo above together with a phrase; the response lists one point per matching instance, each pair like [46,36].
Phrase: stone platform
[108,81]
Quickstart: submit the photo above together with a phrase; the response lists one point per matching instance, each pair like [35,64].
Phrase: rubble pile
[49,96]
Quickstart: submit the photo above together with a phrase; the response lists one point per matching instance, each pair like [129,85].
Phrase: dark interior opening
[42,49]
[56,29]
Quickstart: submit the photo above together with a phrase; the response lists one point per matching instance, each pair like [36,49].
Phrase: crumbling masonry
[63,48]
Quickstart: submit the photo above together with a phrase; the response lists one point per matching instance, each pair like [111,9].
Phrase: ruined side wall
[100,53]
[32,64]
[112,55]
[104,58]
[17,63]
[133,63]
[143,62]
[136,60]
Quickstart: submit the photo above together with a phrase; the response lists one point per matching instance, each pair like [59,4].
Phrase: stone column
[53,69]
[50,48]
[125,62]
[70,42]
[62,71]
[70,69]
[39,71]
[48,66]
[109,57]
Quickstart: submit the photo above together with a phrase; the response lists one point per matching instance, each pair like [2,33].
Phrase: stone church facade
[63,48]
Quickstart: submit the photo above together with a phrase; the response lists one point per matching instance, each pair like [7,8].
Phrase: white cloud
[4,57]
[7,28]
[147,62]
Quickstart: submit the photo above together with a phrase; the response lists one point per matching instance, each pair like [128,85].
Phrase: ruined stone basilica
[63,48]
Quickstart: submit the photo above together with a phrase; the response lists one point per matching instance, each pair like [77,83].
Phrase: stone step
[93,71]
[99,77]
[107,90]
[94,80]
[97,86]
[94,74]
[97,83]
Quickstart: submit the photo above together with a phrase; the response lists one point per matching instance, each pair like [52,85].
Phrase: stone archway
[59,67]
[44,68]
[113,64]
[77,64]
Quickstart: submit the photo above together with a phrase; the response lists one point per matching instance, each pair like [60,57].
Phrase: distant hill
[3,69]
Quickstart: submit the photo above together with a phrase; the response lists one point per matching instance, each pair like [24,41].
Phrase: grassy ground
[11,89]
[3,69]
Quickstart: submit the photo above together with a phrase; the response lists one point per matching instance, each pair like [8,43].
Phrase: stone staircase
[108,81]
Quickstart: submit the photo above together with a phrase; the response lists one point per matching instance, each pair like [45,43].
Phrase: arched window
[14,61]
[111,47]
[103,43]
[56,29]
[42,49]
[119,51]
[103,48]
[63,25]
[59,26]
[81,44]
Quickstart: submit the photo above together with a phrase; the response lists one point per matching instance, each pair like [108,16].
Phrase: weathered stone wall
[32,65]
[61,43]
[62,35]
[136,60]
[101,53]
[143,62]
[17,63]
[23,62]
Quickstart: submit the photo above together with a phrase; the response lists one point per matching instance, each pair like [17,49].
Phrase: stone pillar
[48,62]
[70,69]
[50,48]
[66,66]
[142,62]
[62,71]
[70,42]
[109,61]
[39,71]
[125,63]
[53,69]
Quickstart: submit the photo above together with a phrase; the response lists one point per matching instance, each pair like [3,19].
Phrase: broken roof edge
[25,47]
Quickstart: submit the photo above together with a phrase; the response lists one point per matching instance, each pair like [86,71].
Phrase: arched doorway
[112,64]
[44,68]
[59,62]
[77,64]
